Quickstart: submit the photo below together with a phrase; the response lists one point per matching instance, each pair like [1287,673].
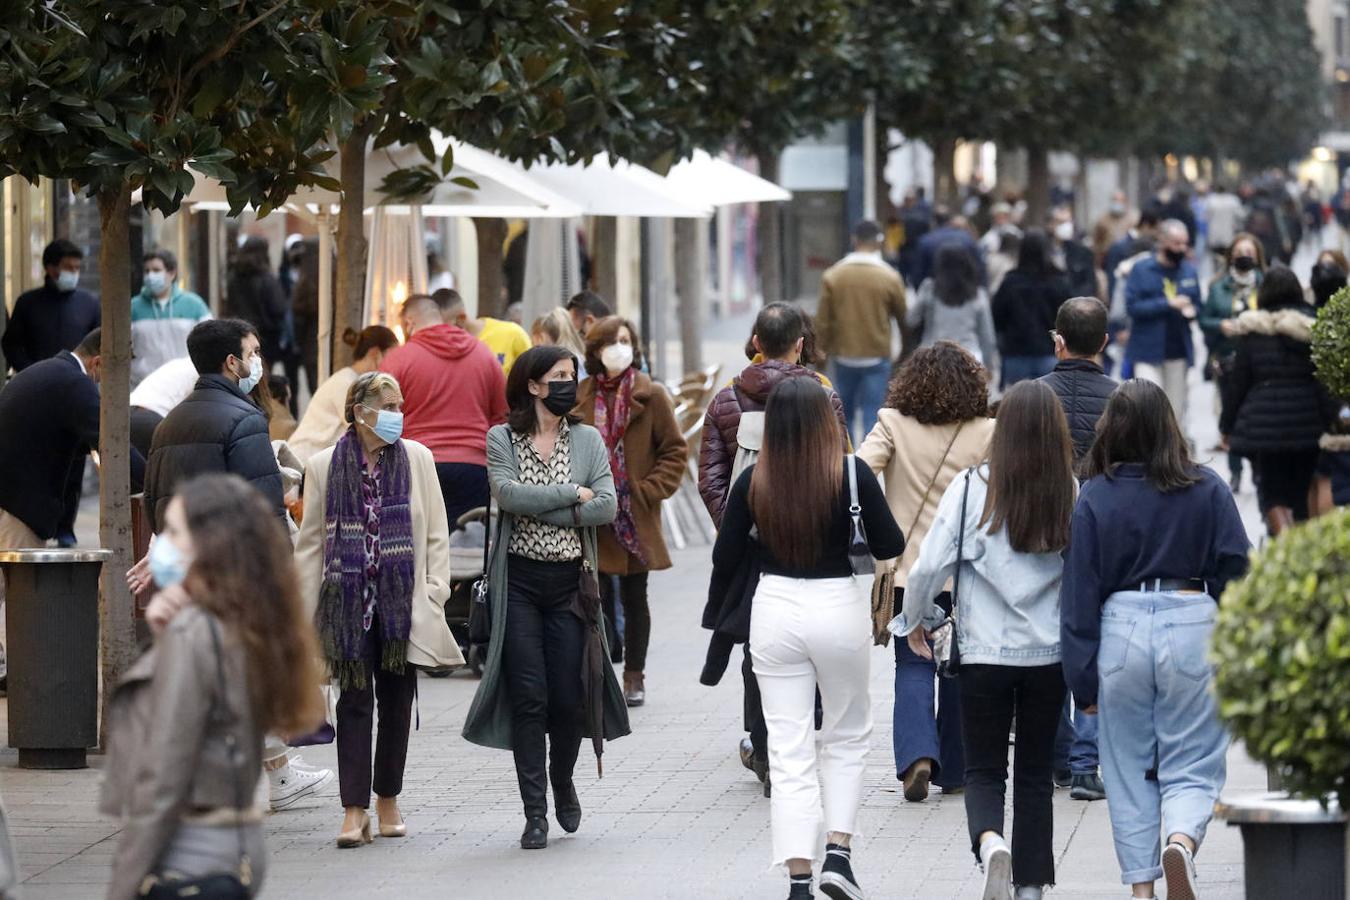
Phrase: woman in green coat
[551,479]
[1231,294]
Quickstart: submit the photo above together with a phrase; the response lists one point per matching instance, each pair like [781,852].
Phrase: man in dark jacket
[1079,382]
[950,230]
[217,428]
[1083,390]
[48,417]
[54,317]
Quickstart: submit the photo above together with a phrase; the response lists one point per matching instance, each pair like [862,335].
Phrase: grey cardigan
[489,719]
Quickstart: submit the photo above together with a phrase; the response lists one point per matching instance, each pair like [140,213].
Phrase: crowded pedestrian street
[675,816]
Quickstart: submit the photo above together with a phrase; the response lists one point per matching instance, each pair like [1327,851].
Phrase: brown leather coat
[167,753]
[718,454]
[656,455]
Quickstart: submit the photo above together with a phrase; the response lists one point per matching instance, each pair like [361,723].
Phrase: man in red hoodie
[453,392]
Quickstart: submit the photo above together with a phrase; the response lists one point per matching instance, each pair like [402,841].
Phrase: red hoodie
[453,392]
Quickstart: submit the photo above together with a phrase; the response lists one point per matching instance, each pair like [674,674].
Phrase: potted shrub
[1281,655]
[1331,355]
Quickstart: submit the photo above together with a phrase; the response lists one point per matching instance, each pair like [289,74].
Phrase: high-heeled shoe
[390,830]
[357,836]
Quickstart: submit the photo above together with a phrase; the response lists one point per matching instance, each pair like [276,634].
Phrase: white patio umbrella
[718,182]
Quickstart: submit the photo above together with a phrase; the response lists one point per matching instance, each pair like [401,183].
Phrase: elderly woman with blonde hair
[374,563]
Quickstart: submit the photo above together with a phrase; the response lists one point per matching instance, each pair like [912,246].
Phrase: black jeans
[464,486]
[1285,478]
[542,661]
[990,697]
[393,694]
[637,617]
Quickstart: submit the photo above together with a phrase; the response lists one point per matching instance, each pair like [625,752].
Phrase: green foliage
[1282,656]
[1246,84]
[116,94]
[1331,343]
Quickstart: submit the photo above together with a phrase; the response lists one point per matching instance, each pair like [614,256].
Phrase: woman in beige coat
[374,563]
[935,424]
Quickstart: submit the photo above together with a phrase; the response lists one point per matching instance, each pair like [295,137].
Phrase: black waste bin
[51,619]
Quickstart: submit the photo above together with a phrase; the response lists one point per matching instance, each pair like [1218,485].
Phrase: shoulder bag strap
[854,509]
[232,745]
[932,481]
[960,544]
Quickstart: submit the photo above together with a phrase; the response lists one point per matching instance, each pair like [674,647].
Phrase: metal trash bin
[52,623]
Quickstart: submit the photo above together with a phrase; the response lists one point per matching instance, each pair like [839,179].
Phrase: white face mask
[67,281]
[616,358]
[1064,231]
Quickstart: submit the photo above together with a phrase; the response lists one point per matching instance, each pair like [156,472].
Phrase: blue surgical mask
[388,425]
[67,281]
[255,373]
[156,282]
[167,565]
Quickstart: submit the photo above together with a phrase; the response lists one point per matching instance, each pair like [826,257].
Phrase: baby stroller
[468,557]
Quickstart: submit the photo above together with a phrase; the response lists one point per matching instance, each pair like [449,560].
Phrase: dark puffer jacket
[1274,401]
[1083,390]
[717,455]
[216,429]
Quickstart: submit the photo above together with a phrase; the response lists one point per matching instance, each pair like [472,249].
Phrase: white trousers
[1170,375]
[805,633]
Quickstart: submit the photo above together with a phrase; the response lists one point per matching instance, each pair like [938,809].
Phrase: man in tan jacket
[859,296]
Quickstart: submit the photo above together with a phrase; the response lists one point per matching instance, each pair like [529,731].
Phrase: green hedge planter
[1331,343]
[1281,658]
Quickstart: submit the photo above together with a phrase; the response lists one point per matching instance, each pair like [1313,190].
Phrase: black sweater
[1024,309]
[883,534]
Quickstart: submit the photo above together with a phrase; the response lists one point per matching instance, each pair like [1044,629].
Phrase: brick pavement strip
[675,815]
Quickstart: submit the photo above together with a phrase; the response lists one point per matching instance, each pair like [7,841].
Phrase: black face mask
[1175,257]
[1243,263]
[1326,280]
[562,396]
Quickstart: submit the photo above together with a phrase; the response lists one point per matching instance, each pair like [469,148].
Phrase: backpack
[749,440]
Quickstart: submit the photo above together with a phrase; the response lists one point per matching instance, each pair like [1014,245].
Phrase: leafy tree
[117,95]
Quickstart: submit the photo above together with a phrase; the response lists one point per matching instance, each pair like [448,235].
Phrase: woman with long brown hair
[647,455]
[999,533]
[935,425]
[187,721]
[810,623]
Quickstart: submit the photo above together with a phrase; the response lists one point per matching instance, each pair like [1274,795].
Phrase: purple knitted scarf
[338,618]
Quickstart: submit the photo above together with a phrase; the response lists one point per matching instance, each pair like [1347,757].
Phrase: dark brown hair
[606,332]
[940,385]
[243,573]
[1139,426]
[794,488]
[1031,486]
[372,337]
[532,365]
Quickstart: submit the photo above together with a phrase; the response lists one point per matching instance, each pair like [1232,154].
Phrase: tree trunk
[881,188]
[491,234]
[689,278]
[769,236]
[605,259]
[349,281]
[944,174]
[1038,186]
[117,613]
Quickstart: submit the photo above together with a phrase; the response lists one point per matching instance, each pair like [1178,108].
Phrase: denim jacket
[1007,613]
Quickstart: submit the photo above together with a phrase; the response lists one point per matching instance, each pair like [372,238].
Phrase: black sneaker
[836,875]
[1088,787]
[1063,778]
[800,890]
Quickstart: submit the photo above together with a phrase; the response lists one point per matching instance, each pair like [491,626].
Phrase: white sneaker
[1179,870]
[298,763]
[997,861]
[287,785]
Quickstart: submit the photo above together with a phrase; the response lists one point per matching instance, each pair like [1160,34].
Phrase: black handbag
[225,885]
[480,605]
[946,646]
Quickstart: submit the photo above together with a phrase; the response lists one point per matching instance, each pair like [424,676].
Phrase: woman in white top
[324,420]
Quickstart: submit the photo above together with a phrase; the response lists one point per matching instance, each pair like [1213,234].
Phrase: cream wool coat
[430,644]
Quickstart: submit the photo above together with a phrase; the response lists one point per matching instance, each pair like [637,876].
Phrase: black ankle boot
[567,806]
[536,834]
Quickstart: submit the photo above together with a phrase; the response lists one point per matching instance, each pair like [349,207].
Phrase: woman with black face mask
[546,664]
[1231,294]
[1328,276]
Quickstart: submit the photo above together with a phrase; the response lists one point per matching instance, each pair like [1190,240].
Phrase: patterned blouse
[373,501]
[530,537]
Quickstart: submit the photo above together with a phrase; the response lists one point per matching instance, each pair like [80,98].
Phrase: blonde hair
[556,325]
[371,384]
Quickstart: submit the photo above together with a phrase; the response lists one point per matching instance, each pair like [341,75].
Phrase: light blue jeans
[1162,747]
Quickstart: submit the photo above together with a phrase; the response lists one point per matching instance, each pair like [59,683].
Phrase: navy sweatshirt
[1125,531]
